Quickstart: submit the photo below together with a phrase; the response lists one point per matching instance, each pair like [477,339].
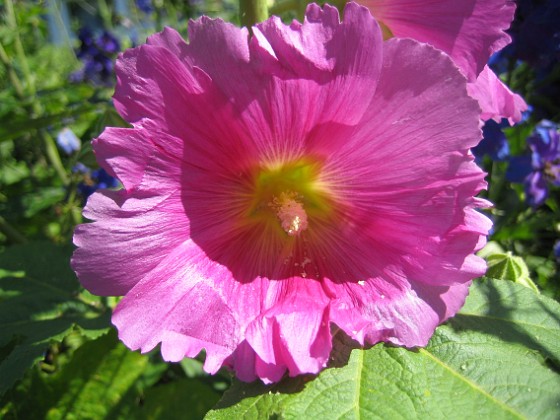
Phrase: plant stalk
[252,12]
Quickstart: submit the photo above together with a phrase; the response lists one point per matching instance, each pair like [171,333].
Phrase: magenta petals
[495,98]
[470,31]
[278,188]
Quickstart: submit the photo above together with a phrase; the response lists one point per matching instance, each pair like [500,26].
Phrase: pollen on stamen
[290,213]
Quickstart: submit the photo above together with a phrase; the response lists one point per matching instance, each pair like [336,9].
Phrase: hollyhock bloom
[281,186]
[470,31]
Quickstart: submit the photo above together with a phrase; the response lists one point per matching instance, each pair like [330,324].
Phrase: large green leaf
[92,385]
[512,313]
[40,302]
[488,362]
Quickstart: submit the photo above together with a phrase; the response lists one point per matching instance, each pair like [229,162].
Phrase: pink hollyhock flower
[280,186]
[470,31]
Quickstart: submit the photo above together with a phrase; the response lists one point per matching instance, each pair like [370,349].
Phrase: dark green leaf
[514,314]
[40,303]
[185,399]
[93,384]
[12,127]
[42,199]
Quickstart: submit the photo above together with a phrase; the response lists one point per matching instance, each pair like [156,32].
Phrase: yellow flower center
[288,195]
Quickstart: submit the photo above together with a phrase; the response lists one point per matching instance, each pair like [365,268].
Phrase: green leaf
[512,313]
[40,303]
[41,199]
[488,362]
[12,127]
[92,385]
[184,399]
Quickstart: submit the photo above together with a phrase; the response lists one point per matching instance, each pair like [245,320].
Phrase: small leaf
[40,304]
[488,362]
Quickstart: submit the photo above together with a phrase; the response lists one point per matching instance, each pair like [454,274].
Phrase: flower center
[290,212]
[287,196]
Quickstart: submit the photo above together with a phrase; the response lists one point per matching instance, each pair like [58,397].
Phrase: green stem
[12,24]
[54,156]
[496,182]
[75,211]
[11,73]
[252,11]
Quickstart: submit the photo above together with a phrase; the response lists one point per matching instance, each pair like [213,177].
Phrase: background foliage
[59,355]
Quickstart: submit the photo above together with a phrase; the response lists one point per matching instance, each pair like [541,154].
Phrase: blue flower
[93,180]
[107,43]
[542,167]
[103,179]
[68,141]
[87,44]
[145,6]
[97,55]
[494,142]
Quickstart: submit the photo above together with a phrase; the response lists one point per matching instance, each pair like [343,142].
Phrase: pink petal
[335,89]
[291,332]
[249,366]
[159,91]
[114,153]
[150,79]
[495,98]
[470,31]
[147,235]
[375,311]
[171,305]
[295,332]
[406,111]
